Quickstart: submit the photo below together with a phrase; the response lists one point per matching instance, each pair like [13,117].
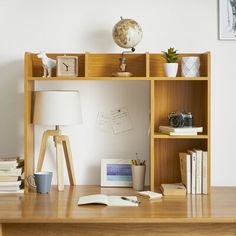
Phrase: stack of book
[190,131]
[194,168]
[11,169]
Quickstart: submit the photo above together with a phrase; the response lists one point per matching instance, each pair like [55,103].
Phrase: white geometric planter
[171,69]
[190,66]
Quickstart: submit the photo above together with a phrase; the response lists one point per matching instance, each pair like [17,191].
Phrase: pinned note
[120,120]
[116,121]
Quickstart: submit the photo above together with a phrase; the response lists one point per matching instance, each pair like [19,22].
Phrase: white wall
[79,26]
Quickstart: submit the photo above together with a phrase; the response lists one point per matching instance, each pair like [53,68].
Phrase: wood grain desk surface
[56,207]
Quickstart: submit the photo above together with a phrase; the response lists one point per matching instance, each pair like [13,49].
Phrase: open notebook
[108,200]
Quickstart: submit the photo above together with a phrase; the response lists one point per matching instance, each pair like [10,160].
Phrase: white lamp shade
[57,108]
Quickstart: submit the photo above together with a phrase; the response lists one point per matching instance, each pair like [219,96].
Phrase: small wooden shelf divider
[166,95]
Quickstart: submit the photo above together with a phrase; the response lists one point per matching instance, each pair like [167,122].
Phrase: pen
[131,200]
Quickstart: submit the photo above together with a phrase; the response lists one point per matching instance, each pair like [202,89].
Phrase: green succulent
[171,55]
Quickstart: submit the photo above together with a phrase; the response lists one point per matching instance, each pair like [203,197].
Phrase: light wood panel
[152,136]
[207,59]
[167,169]
[120,229]
[89,78]
[61,207]
[28,127]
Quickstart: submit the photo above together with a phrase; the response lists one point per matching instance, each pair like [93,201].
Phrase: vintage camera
[180,119]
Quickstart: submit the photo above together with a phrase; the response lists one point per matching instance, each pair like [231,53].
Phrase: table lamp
[55,108]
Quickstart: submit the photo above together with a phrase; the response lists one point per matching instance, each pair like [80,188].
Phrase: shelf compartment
[37,68]
[104,65]
[157,64]
[188,96]
[166,136]
[166,161]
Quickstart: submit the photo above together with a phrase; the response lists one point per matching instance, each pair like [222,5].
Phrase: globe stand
[123,65]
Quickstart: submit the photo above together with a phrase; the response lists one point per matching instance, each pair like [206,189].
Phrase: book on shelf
[198,171]
[185,169]
[194,171]
[204,172]
[178,134]
[173,189]
[108,200]
[181,130]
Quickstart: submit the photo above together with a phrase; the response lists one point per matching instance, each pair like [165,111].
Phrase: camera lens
[176,121]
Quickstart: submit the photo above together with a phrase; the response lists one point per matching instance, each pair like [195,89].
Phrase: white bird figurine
[48,64]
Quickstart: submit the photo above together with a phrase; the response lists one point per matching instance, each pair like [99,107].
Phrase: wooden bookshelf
[166,95]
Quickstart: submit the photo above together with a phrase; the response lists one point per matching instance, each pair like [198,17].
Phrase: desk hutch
[166,95]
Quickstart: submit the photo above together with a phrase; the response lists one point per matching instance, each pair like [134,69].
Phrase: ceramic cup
[43,180]
[138,175]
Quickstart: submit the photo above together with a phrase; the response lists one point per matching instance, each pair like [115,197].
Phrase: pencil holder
[138,175]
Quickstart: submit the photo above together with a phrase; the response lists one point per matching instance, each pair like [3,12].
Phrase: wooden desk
[58,214]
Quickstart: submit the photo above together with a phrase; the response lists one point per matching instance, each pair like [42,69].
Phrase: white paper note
[104,122]
[120,120]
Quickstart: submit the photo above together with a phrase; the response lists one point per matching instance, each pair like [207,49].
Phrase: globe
[127,33]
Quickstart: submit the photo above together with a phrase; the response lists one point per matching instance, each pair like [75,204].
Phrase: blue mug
[42,179]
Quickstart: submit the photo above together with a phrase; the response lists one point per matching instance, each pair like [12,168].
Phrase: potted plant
[171,67]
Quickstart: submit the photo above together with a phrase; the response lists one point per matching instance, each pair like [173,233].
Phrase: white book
[193,165]
[181,129]
[151,195]
[7,184]
[198,171]
[8,178]
[20,191]
[185,168]
[8,160]
[204,172]
[108,200]
[178,134]
[9,188]
[7,166]
[15,172]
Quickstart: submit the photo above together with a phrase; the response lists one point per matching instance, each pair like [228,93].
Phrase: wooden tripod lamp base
[62,144]
[54,108]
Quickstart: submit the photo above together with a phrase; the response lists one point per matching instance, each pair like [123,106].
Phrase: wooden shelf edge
[122,78]
[180,78]
[89,78]
[166,136]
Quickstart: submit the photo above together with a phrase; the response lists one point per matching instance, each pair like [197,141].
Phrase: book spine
[198,172]
[188,173]
[204,173]
[193,173]
[181,168]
